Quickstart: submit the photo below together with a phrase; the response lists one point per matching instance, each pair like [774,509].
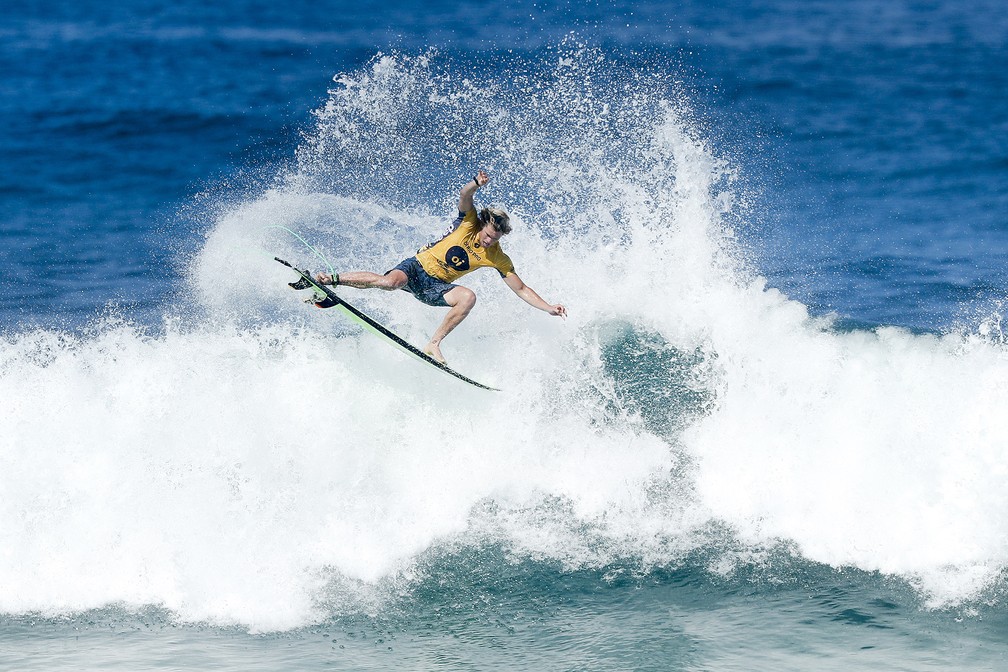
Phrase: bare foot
[435,352]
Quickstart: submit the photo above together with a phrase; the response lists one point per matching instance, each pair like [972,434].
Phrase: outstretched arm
[529,296]
[469,190]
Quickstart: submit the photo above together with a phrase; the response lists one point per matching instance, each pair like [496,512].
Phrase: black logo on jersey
[457,258]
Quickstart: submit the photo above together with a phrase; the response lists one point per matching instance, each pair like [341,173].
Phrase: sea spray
[259,452]
[873,449]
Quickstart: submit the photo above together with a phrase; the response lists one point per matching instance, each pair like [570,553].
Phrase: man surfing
[472,242]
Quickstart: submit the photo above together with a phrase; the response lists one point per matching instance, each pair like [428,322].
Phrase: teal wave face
[666,386]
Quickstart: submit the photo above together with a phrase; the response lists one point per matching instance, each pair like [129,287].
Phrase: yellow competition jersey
[460,252]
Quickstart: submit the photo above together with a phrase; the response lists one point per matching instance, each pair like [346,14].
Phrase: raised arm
[469,190]
[528,295]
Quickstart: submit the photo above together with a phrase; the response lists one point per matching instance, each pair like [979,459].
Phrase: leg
[461,300]
[394,279]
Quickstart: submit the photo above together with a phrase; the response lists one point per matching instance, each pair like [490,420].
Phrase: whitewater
[249,461]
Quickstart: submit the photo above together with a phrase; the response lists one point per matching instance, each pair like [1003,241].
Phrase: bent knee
[465,298]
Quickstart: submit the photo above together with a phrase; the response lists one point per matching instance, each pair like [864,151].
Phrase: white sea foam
[231,465]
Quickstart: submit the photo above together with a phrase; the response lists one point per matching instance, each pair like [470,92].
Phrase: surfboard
[327,298]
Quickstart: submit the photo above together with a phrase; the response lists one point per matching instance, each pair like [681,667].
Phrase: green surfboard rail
[333,300]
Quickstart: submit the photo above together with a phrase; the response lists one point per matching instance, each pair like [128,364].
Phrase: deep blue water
[873,133]
[769,437]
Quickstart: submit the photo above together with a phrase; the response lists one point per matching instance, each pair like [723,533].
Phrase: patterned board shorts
[425,287]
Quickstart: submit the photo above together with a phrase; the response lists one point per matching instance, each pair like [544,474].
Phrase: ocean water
[770,435]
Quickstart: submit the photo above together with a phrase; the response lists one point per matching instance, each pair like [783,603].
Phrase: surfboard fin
[323,301]
[303,283]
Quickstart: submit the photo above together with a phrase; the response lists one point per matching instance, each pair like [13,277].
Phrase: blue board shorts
[424,286]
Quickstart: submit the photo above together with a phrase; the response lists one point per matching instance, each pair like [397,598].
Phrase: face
[488,236]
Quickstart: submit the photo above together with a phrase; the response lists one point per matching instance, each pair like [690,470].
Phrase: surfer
[472,242]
